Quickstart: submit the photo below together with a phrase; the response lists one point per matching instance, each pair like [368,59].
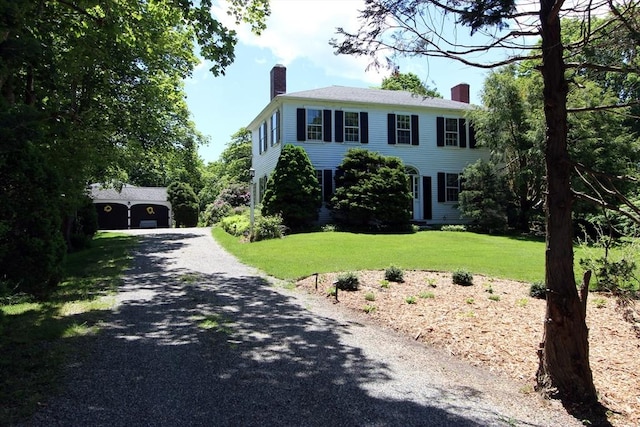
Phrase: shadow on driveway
[200,346]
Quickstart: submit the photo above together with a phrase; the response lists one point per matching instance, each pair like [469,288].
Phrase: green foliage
[267,227]
[483,198]
[613,273]
[370,296]
[214,212]
[372,191]
[426,295]
[184,204]
[454,227]
[462,278]
[411,299]
[348,281]
[227,202]
[369,308]
[329,228]
[494,297]
[293,190]
[32,248]
[231,170]
[94,92]
[236,225]
[538,290]
[84,226]
[511,125]
[408,82]
[394,274]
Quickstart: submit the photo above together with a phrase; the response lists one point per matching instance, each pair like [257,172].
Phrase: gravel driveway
[199,339]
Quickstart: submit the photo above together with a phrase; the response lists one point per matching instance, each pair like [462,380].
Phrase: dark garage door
[143,215]
[112,216]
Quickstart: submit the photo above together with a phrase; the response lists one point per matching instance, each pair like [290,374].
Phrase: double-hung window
[452,187]
[351,126]
[275,131]
[314,125]
[451,132]
[403,128]
[262,136]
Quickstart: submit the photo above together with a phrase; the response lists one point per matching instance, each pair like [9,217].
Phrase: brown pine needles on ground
[496,324]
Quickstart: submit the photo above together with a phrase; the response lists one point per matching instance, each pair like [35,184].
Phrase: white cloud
[301,29]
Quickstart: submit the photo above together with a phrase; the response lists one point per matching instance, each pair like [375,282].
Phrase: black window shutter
[472,136]
[301,124]
[440,131]
[364,127]
[326,125]
[391,128]
[462,133]
[327,183]
[442,197]
[415,137]
[427,212]
[266,136]
[339,126]
[277,127]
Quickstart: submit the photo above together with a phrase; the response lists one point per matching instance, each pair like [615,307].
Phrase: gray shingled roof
[129,192]
[376,96]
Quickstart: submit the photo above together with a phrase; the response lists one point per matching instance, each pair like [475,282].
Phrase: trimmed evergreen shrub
[348,281]
[394,274]
[538,290]
[462,278]
[184,204]
[372,192]
[293,191]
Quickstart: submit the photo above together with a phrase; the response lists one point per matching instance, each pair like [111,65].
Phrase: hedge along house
[132,207]
[430,135]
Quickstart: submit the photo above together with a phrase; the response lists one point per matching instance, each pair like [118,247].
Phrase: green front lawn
[300,255]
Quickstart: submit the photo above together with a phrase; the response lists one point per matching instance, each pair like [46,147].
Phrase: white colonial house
[430,135]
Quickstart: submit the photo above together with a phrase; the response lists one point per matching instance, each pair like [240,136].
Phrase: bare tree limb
[602,107]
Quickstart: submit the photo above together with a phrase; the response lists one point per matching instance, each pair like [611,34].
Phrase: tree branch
[602,107]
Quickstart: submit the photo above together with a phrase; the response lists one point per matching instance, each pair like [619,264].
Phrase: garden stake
[316,274]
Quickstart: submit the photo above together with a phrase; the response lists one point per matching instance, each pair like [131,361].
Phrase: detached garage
[131,207]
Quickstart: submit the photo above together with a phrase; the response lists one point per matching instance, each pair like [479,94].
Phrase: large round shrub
[371,191]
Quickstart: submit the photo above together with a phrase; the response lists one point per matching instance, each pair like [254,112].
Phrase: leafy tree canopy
[409,82]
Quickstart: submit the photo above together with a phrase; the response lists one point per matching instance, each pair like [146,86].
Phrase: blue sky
[297,36]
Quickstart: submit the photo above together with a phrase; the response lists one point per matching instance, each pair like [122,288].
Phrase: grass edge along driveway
[300,255]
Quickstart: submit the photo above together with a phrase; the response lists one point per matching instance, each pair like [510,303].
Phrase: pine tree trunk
[564,355]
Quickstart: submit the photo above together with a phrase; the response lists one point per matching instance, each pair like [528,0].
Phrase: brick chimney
[278,80]
[460,93]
